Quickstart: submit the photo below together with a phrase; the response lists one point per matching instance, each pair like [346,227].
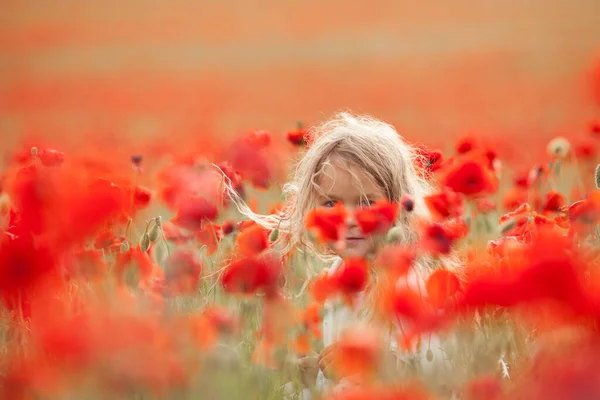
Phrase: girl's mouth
[354,238]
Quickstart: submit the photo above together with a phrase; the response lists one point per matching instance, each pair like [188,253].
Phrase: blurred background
[510,71]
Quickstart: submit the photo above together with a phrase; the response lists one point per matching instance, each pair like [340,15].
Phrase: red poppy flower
[249,158]
[245,224]
[252,241]
[357,353]
[554,201]
[46,204]
[407,303]
[258,138]
[209,236]
[396,260]
[182,272]
[378,218]
[427,161]
[436,239]
[514,197]
[457,228]
[562,220]
[484,388]
[23,264]
[586,151]
[296,136]
[441,285]
[471,177]
[234,178]
[180,182]
[493,161]
[583,216]
[595,127]
[523,209]
[551,272]
[445,204]
[227,228]
[321,287]
[328,223]
[194,212]
[141,196]
[174,234]
[501,247]
[222,319]
[352,276]
[105,239]
[252,274]
[543,222]
[537,173]
[311,319]
[465,144]
[51,157]
[133,267]
[522,180]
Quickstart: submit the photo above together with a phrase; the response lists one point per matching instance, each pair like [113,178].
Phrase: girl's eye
[330,203]
[366,203]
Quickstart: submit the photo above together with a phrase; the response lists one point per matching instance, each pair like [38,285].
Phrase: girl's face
[349,185]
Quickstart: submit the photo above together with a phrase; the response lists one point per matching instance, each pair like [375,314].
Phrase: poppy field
[138,278]
[128,140]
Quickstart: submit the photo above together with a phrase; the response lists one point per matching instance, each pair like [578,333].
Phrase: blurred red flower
[352,276]
[328,223]
[554,201]
[441,286]
[437,239]
[133,267]
[51,157]
[427,161]
[182,272]
[470,177]
[445,204]
[252,274]
[194,212]
[209,236]
[252,241]
[378,218]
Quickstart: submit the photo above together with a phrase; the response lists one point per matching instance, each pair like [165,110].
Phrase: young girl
[356,161]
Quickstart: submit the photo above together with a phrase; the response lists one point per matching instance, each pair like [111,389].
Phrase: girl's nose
[350,219]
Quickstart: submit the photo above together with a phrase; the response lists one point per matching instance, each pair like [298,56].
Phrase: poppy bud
[144,243]
[429,355]
[274,235]
[136,160]
[407,203]
[154,233]
[34,151]
[558,148]
[597,176]
[394,234]
[227,227]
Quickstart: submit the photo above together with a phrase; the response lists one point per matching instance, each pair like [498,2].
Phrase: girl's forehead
[339,179]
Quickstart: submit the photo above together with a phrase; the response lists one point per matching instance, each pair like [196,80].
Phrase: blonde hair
[364,142]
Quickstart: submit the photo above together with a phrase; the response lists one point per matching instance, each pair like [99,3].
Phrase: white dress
[339,317]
